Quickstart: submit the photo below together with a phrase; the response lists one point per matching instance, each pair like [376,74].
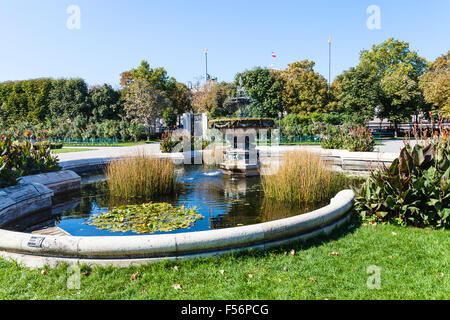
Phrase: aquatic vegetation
[303,178]
[141,176]
[146,218]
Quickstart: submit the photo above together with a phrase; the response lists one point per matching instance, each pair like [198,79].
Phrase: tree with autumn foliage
[305,90]
[145,105]
[436,84]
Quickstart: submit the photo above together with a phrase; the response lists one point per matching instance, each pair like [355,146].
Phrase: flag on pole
[274,55]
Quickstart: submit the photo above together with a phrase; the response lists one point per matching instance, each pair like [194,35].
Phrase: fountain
[241,158]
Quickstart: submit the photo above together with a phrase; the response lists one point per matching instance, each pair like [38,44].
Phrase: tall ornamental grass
[141,176]
[303,178]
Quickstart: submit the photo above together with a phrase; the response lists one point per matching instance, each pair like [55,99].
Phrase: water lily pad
[146,218]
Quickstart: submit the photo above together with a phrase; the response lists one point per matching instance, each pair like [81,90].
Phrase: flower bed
[24,159]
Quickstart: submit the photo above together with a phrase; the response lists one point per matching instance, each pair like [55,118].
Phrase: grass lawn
[68,150]
[414,265]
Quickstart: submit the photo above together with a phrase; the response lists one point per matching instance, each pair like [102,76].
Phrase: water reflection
[223,201]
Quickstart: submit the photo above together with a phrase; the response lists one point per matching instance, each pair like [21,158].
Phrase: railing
[81,142]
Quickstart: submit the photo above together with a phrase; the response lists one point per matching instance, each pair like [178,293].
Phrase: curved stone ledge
[21,200]
[60,182]
[36,251]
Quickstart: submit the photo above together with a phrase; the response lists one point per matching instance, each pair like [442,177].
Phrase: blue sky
[116,35]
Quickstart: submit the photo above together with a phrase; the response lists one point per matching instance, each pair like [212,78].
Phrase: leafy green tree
[398,70]
[144,104]
[436,84]
[213,98]
[305,90]
[265,89]
[170,117]
[357,92]
[69,98]
[25,100]
[106,104]
[180,98]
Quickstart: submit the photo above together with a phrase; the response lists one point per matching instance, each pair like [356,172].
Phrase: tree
[25,100]
[398,70]
[265,89]
[213,98]
[180,98]
[436,84]
[69,98]
[144,104]
[105,103]
[156,78]
[357,94]
[305,91]
[170,117]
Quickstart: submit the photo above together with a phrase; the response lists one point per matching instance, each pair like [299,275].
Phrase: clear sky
[116,35]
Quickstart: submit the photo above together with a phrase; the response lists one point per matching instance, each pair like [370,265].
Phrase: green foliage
[397,70]
[354,139]
[305,90]
[146,218]
[414,190]
[265,89]
[436,84]
[106,104]
[21,160]
[25,100]
[357,92]
[170,117]
[167,144]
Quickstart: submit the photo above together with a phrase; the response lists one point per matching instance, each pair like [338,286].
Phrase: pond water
[224,202]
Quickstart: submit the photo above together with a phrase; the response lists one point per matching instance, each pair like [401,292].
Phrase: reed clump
[141,176]
[303,178]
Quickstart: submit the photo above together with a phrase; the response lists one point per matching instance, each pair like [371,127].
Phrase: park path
[390,146]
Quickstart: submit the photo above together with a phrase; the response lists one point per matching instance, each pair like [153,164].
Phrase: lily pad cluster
[146,218]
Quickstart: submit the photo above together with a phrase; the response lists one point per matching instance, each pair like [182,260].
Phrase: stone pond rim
[37,251]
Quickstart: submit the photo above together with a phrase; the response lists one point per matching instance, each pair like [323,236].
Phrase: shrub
[21,160]
[358,139]
[414,190]
[303,178]
[141,176]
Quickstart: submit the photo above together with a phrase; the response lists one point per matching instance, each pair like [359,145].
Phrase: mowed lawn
[414,265]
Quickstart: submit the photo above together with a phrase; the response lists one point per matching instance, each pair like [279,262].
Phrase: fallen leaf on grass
[313,280]
[175,268]
[222,271]
[394,233]
[44,272]
[250,276]
[134,276]
[176,286]
[334,253]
